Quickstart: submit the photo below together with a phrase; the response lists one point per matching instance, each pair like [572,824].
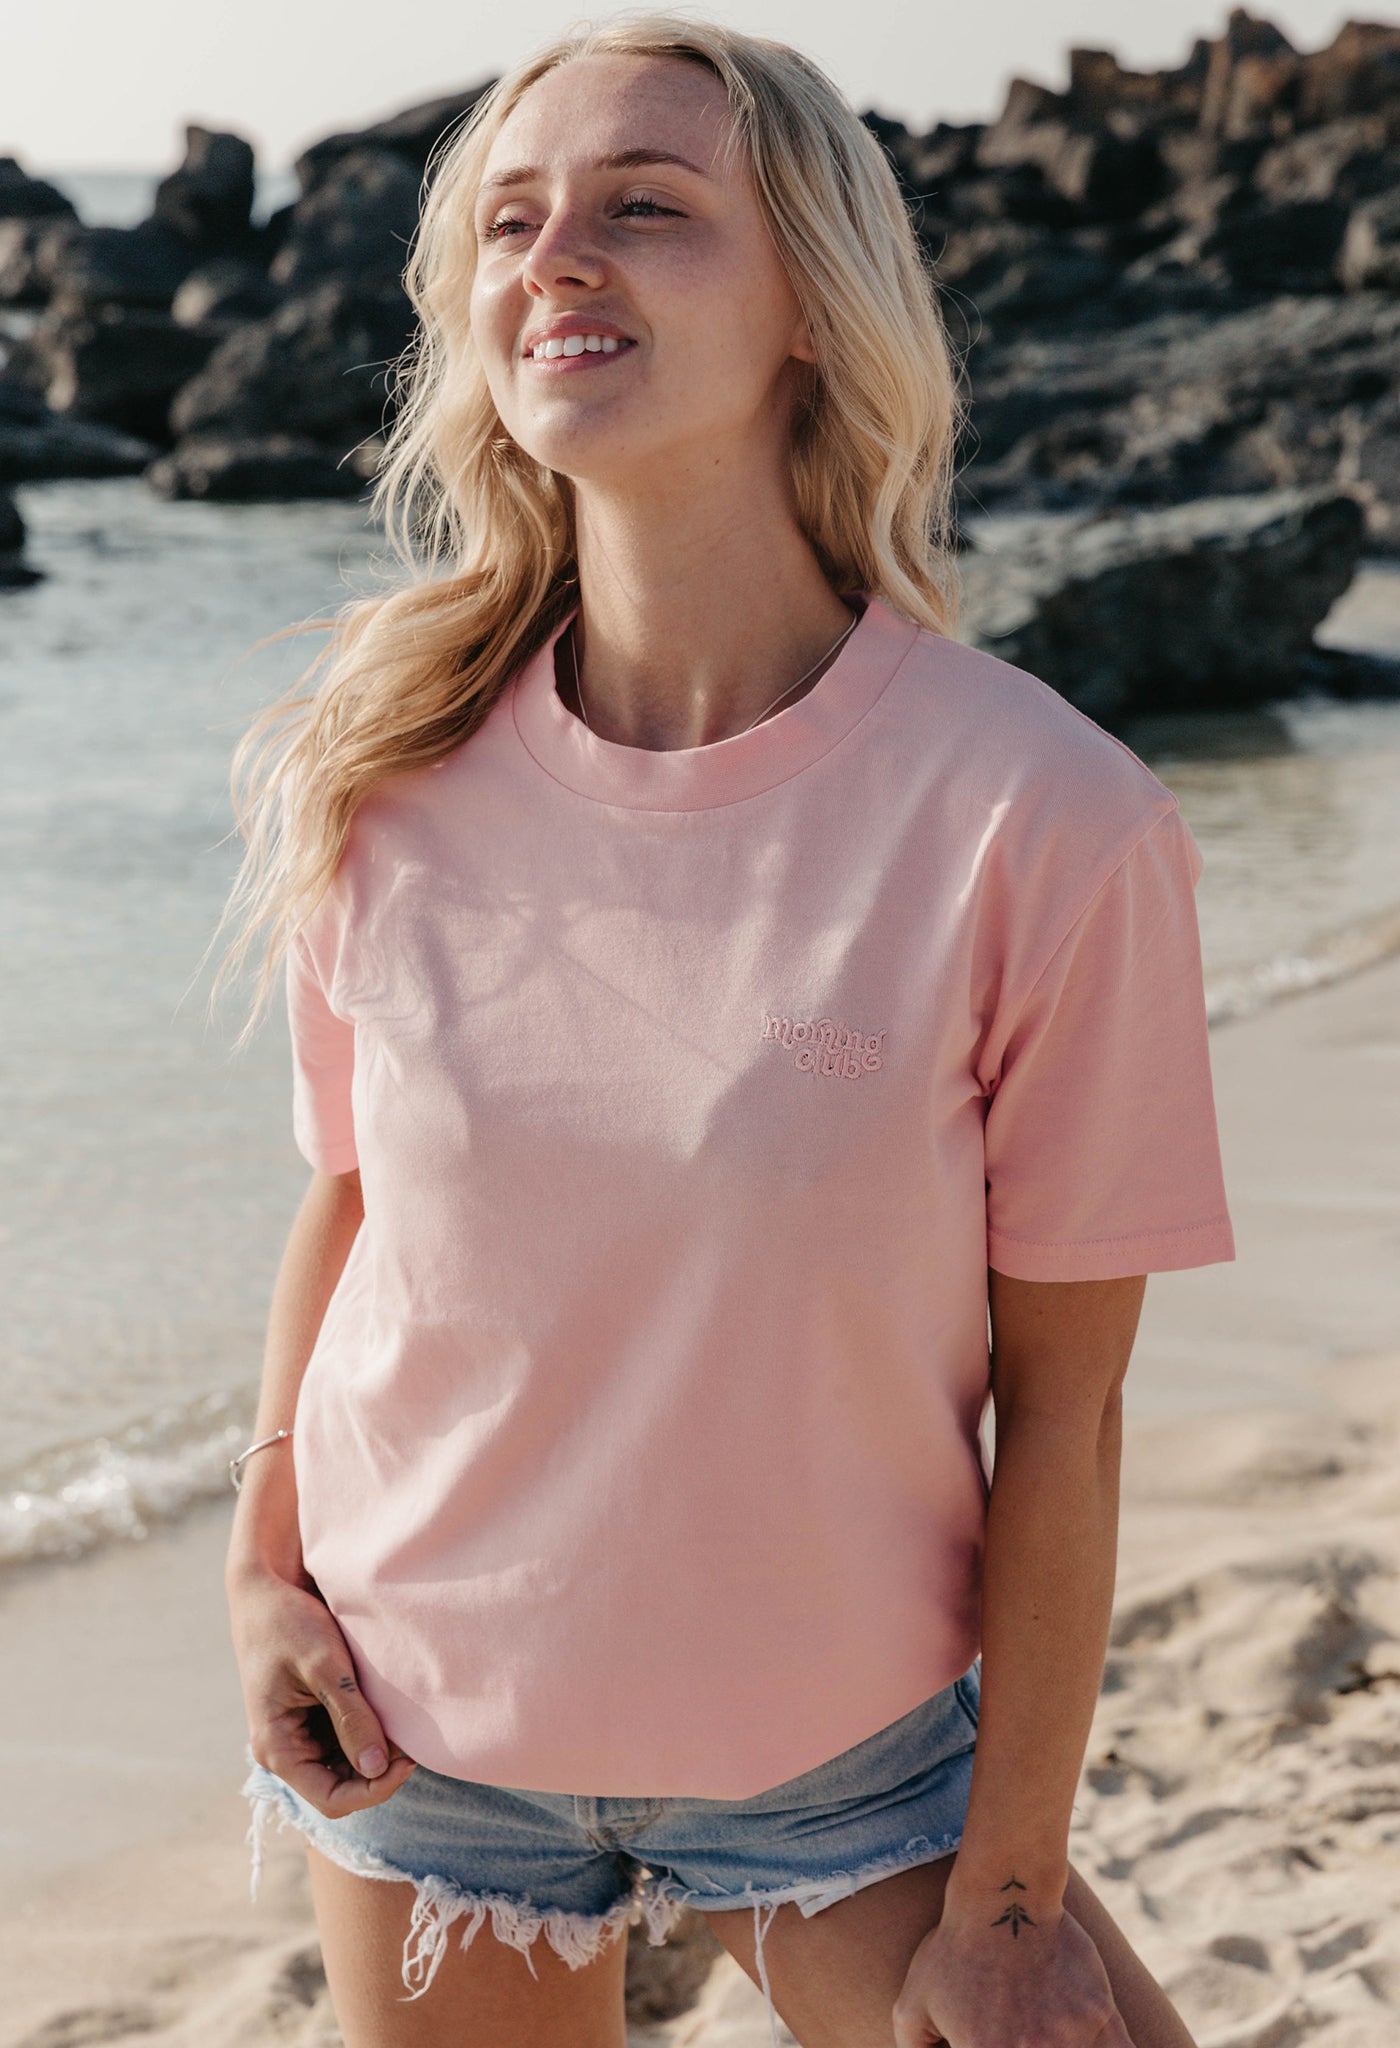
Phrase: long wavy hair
[485,534]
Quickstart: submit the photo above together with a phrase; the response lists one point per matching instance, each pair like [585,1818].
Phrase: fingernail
[373,1763]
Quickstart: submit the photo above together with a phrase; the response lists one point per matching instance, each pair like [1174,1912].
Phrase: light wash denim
[578,1868]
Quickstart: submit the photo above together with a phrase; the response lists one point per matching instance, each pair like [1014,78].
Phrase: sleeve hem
[342,1158]
[1113,1258]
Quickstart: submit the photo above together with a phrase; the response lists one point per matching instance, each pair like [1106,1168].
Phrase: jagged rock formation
[1163,286]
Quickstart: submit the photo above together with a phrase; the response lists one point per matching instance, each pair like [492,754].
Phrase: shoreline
[1239,1807]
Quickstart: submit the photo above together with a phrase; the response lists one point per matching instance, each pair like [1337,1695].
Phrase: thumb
[356,1724]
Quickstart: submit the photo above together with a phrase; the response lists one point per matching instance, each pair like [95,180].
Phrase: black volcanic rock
[36,442]
[1185,405]
[113,365]
[1370,253]
[1101,174]
[1358,73]
[26,198]
[1370,466]
[258,467]
[15,572]
[208,201]
[1348,160]
[29,253]
[316,368]
[1209,604]
[141,266]
[228,290]
[412,135]
[358,221]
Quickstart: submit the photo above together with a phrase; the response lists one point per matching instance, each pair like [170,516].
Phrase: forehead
[596,106]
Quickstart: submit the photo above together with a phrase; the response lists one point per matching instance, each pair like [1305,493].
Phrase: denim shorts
[578,1869]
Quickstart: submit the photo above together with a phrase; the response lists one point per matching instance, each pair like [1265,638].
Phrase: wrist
[1008,1891]
[249,1567]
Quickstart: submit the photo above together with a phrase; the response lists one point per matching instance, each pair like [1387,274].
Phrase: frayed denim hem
[656,1901]
[667,1897]
[438,1903]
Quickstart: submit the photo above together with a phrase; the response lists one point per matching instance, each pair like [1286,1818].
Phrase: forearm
[1047,1597]
[265,1534]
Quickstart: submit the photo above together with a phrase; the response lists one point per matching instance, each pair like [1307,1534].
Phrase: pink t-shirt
[692,1095]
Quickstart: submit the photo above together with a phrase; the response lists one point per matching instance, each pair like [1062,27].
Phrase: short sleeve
[323,1065]
[1102,1153]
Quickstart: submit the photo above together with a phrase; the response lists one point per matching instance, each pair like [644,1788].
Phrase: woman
[712,988]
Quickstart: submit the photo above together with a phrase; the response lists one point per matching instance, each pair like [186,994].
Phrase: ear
[801,344]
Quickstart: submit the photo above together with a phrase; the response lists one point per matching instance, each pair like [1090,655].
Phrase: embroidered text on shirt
[826,1047]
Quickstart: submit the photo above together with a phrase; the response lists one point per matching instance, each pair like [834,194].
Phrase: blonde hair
[486,533]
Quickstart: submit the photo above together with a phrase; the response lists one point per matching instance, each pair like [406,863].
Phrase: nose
[563,253]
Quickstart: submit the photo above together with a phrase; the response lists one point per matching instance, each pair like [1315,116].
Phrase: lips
[576,345]
[570,335]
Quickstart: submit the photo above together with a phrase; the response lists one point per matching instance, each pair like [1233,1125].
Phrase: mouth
[573,352]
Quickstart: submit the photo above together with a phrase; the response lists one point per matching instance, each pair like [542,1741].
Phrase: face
[629,306]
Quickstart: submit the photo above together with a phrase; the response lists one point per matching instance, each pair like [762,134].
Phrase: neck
[699,602]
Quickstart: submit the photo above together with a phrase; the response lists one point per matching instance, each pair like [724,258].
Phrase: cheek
[493,326]
[730,325]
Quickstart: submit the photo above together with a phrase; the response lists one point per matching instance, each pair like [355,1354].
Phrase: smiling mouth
[577,348]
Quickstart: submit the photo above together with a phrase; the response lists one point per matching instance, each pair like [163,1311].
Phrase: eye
[647,208]
[503,226]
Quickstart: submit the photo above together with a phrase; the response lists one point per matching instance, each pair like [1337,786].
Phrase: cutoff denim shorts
[578,1869]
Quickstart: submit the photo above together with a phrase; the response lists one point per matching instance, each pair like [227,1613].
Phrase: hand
[308,1722]
[975,1985]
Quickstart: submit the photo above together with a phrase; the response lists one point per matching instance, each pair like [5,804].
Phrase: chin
[588,455]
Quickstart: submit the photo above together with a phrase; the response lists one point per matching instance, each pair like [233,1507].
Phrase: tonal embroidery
[826,1047]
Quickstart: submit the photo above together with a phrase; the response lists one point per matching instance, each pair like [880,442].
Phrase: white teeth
[574,345]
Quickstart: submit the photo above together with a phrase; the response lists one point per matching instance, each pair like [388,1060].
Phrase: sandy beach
[1240,1808]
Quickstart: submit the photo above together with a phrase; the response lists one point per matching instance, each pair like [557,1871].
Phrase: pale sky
[86,84]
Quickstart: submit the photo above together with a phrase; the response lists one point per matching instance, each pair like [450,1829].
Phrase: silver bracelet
[235,1465]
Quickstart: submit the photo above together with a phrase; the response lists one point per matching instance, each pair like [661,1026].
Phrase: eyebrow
[620,160]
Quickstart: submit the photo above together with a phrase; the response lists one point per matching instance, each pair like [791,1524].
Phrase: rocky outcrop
[119,366]
[1165,286]
[1211,603]
[357,221]
[266,346]
[15,572]
[207,203]
[36,442]
[26,198]
[316,367]
[255,467]
[230,291]
[411,135]
[1295,392]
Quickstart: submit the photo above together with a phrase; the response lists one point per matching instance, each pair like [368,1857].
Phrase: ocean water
[119,199]
[149,1175]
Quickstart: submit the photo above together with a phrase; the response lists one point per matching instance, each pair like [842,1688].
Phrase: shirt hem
[1112,1258]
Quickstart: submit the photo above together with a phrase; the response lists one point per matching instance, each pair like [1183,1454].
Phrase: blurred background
[1167,243]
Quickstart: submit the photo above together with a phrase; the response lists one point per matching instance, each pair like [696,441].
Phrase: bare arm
[265,1535]
[308,1721]
[1060,1350]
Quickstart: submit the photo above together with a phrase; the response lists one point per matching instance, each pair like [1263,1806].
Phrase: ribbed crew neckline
[724,771]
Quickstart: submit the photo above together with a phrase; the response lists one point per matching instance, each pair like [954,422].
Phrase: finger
[362,1740]
[1114,2033]
[331,1794]
[913,2028]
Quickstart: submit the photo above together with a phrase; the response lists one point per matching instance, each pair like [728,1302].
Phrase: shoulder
[1030,804]
[1018,758]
